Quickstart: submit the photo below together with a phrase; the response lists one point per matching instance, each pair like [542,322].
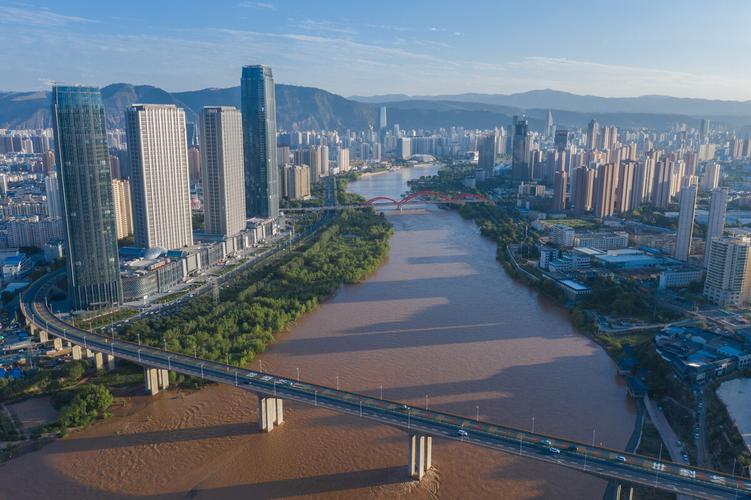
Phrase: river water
[439,323]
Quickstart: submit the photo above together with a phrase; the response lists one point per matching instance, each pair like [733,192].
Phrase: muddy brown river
[439,323]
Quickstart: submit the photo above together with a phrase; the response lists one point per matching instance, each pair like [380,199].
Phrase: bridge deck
[599,461]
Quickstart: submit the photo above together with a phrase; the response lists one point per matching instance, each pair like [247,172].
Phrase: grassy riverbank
[261,302]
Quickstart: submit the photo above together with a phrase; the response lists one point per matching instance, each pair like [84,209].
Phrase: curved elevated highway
[421,425]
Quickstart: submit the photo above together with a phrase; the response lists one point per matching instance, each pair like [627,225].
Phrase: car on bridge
[555,451]
[462,433]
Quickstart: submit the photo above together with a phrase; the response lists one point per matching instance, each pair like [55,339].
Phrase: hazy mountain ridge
[311,108]
[566,101]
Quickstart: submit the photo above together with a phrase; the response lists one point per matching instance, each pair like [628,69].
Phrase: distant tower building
[123,208]
[382,121]
[159,176]
[561,140]
[685,223]
[559,191]
[704,129]
[549,127]
[86,185]
[343,159]
[486,148]
[711,178]
[593,135]
[605,195]
[643,181]
[718,205]
[729,271]
[54,199]
[223,170]
[519,150]
[405,148]
[626,174]
[48,160]
[259,142]
[324,160]
[584,186]
[194,163]
[662,182]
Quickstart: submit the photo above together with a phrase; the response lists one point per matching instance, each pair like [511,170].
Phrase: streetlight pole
[381,392]
[298,374]
[202,370]
[477,416]
[426,402]
[337,382]
[533,425]
[659,464]
[139,355]
[315,400]
[235,378]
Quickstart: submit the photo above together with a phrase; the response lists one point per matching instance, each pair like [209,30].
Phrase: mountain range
[312,108]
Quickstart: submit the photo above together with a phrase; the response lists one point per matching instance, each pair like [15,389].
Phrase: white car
[554,450]
[462,433]
[658,466]
[687,473]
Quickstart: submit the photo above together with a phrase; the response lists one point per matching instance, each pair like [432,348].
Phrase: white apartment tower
[121,199]
[223,170]
[157,146]
[718,205]
[729,271]
[685,223]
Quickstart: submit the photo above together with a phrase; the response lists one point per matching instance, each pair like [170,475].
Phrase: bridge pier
[99,360]
[155,379]
[270,412]
[57,343]
[420,458]
[76,352]
[627,495]
[110,362]
[43,335]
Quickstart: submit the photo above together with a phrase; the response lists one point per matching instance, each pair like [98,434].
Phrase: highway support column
[99,360]
[76,352]
[621,495]
[270,412]
[420,456]
[110,362]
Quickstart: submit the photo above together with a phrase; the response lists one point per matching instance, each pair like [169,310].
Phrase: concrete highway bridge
[421,425]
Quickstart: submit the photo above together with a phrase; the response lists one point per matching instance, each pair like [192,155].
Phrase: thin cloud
[37,17]
[257,5]
[326,26]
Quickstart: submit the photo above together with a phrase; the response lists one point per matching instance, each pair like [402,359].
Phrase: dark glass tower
[519,150]
[84,171]
[259,142]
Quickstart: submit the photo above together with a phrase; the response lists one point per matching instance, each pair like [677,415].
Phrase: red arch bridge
[418,197]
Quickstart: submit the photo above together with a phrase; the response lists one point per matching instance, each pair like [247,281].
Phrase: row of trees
[262,301]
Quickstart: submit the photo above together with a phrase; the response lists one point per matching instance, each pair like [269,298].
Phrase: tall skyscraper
[159,179]
[605,184]
[259,142]
[382,121]
[718,205]
[486,148]
[704,129]
[54,198]
[711,178]
[519,150]
[685,223]
[643,182]
[626,174]
[662,182]
[223,167]
[561,140]
[123,208]
[559,191]
[549,127]
[86,185]
[593,135]
[584,185]
[729,271]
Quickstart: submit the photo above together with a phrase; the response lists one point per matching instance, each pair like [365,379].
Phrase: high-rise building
[643,182]
[519,150]
[123,208]
[584,185]
[559,191]
[486,148]
[382,121]
[405,148]
[711,178]
[223,170]
[159,181]
[194,163]
[54,199]
[685,223]
[704,129]
[295,182]
[259,142]
[718,205]
[593,135]
[729,271]
[626,174]
[561,140]
[549,127]
[605,184]
[86,184]
[324,160]
[343,160]
[662,184]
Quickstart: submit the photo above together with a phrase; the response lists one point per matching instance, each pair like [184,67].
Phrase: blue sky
[688,48]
